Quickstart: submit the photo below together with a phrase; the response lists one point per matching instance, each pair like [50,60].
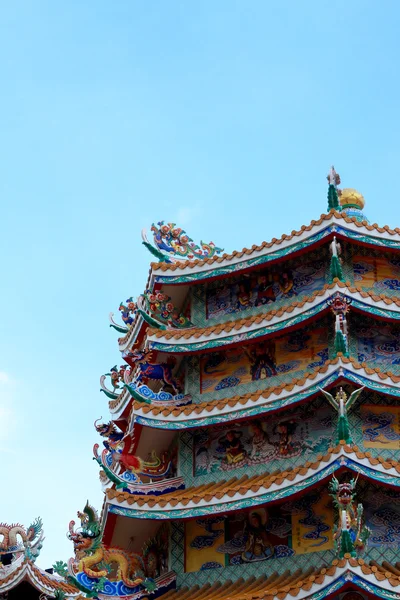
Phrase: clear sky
[222,116]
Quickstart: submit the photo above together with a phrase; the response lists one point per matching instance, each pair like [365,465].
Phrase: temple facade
[253,444]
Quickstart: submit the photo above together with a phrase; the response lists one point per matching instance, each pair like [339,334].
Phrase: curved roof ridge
[333,214]
[270,398]
[257,489]
[304,583]
[236,324]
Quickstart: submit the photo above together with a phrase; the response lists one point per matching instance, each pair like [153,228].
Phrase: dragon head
[88,535]
[34,530]
[104,429]
[342,493]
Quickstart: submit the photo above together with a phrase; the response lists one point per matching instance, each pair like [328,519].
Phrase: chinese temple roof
[332,223]
[273,318]
[383,580]
[260,402]
[12,576]
[235,493]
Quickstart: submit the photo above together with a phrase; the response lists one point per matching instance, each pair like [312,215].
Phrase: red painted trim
[109,528]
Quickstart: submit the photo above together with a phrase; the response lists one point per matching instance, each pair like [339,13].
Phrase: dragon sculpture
[30,544]
[351,534]
[110,432]
[116,376]
[128,313]
[154,371]
[95,560]
[173,243]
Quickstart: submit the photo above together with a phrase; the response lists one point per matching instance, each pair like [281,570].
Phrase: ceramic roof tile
[267,316]
[241,486]
[162,266]
[40,575]
[287,584]
[242,399]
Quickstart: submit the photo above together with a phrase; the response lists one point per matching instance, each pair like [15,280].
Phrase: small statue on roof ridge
[333,190]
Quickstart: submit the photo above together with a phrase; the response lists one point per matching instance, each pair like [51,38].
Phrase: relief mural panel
[297,351]
[381,426]
[297,527]
[378,345]
[264,287]
[383,517]
[381,273]
[304,431]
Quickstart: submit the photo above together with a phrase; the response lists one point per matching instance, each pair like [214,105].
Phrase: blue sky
[221,116]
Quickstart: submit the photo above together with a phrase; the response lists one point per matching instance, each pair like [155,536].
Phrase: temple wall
[374,424]
[275,286]
[295,534]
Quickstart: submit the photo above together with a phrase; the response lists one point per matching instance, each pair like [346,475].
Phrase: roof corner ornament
[342,404]
[333,190]
[128,313]
[172,244]
[351,534]
[90,569]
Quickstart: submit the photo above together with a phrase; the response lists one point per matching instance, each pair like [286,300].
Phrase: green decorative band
[232,339]
[267,497]
[253,411]
[271,329]
[282,252]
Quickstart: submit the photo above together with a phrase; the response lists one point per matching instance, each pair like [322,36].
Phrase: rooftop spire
[333,190]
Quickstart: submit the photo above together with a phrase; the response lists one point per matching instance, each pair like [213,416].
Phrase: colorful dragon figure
[128,313]
[116,376]
[173,242]
[154,371]
[95,560]
[351,534]
[30,544]
[109,431]
[161,306]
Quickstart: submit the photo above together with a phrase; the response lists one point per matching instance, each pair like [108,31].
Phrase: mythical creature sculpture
[351,534]
[30,543]
[333,190]
[95,560]
[342,404]
[128,312]
[154,371]
[110,432]
[116,376]
[161,306]
[172,242]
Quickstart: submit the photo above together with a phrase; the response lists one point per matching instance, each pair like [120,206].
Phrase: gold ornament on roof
[351,198]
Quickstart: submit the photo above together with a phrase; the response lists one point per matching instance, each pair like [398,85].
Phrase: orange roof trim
[196,332]
[162,266]
[241,486]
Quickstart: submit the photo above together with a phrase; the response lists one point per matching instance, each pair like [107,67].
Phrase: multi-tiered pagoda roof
[257,400]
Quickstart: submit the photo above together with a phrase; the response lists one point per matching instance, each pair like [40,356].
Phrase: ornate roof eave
[335,223]
[198,339]
[264,401]
[378,580]
[42,581]
[247,492]
[132,335]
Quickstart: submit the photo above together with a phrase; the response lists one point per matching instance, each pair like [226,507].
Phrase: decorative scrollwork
[173,243]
